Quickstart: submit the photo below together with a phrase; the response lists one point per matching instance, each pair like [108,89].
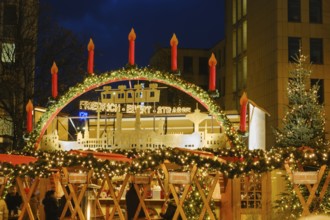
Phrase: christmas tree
[304,122]
[303,126]
[194,203]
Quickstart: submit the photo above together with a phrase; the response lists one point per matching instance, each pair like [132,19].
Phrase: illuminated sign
[309,177]
[130,95]
[77,178]
[141,179]
[112,107]
[179,177]
[83,115]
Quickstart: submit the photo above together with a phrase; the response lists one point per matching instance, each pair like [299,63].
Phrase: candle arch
[94,81]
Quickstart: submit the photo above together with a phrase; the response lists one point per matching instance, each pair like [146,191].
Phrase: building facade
[18,39]
[262,39]
[193,65]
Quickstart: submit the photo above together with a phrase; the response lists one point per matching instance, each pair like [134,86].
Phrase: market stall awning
[103,155]
[17,159]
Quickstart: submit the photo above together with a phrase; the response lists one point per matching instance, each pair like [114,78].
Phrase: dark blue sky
[197,24]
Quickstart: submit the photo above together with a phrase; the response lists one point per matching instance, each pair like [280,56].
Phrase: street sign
[77,177]
[309,177]
[179,178]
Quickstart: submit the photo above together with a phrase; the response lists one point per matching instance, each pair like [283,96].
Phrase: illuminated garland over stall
[239,162]
[239,159]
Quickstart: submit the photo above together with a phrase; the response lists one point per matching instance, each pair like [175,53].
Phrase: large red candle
[29,109]
[131,50]
[54,71]
[212,73]
[243,102]
[174,53]
[90,64]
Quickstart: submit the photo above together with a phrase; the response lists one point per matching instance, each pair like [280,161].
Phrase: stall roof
[17,159]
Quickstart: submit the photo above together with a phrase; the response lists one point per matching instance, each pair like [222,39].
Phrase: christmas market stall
[133,157]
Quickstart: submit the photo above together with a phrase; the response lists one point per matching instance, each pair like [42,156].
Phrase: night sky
[196,23]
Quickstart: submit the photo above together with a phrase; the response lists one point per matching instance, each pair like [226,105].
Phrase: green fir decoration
[304,129]
[304,122]
[193,205]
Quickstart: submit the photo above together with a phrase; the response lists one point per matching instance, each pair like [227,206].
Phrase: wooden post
[142,198]
[179,201]
[116,199]
[206,201]
[75,208]
[3,185]
[26,208]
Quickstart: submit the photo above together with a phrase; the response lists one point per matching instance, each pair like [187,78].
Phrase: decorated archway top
[94,81]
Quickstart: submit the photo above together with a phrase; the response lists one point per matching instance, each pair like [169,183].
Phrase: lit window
[251,192]
[244,7]
[8,53]
[244,35]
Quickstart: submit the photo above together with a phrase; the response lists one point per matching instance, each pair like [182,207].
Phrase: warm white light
[257,128]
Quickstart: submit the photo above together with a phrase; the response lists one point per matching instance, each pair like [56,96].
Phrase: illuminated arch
[95,81]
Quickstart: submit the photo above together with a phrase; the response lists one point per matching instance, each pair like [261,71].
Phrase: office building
[262,38]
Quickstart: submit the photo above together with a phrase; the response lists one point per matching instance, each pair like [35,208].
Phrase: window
[223,56]
[187,64]
[8,53]
[234,44]
[320,92]
[242,73]
[315,11]
[244,35]
[251,192]
[218,56]
[9,15]
[204,87]
[294,10]
[203,66]
[293,48]
[223,86]
[316,50]
[239,9]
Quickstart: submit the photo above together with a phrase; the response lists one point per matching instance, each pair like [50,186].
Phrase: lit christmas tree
[304,122]
[303,126]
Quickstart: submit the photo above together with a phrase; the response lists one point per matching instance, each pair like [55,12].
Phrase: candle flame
[29,106]
[54,68]
[174,41]
[90,45]
[244,99]
[212,60]
[132,35]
